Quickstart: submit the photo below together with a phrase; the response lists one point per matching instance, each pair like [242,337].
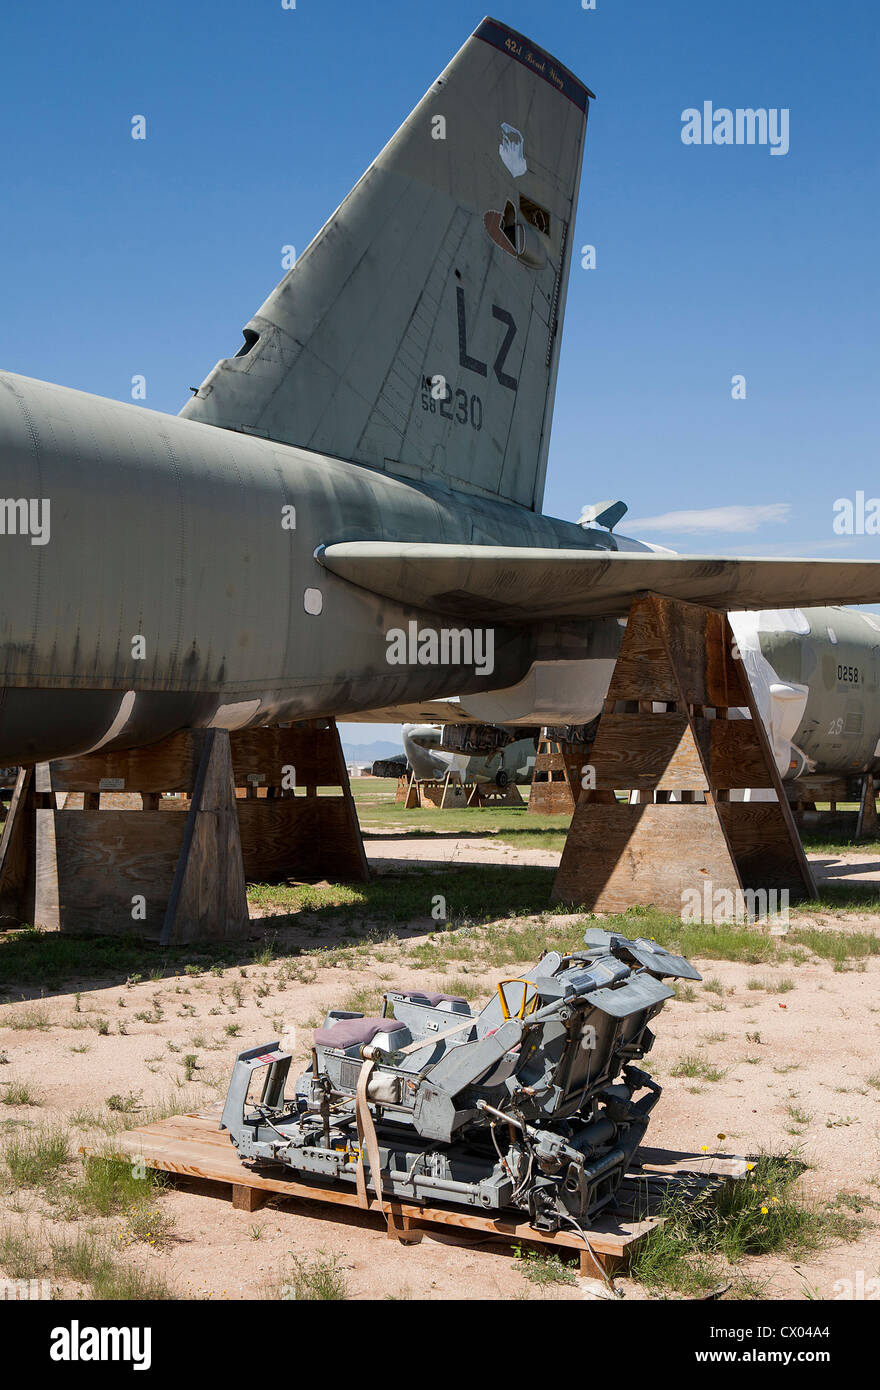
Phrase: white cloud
[734,518]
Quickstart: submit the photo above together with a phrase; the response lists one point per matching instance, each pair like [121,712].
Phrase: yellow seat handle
[523,1011]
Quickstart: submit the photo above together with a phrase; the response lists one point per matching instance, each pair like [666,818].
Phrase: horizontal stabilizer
[524,584]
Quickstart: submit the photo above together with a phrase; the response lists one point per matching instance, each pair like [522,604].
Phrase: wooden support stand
[866,825]
[291,832]
[130,858]
[487,794]
[556,779]
[435,793]
[805,793]
[665,729]
[451,793]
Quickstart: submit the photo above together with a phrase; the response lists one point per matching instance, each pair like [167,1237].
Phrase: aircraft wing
[522,584]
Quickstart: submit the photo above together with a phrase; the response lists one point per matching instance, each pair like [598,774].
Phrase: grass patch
[704,1234]
[543,1269]
[366,1000]
[514,941]
[837,946]
[460,986]
[479,894]
[378,813]
[125,1284]
[374,912]
[32,1017]
[316,1279]
[150,1225]
[844,897]
[19,1257]
[693,1066]
[55,959]
[36,1160]
[126,1104]
[82,1258]
[797,1115]
[109,1186]
[20,1093]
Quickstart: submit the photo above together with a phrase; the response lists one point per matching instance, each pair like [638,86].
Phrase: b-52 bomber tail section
[371,463]
[419,332]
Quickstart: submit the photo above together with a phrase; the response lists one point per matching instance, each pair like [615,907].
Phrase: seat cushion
[346,1032]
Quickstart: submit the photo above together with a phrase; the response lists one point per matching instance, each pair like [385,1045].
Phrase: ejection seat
[533,1103]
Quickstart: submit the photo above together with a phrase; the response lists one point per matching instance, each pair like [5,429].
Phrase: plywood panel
[171,765]
[643,751]
[726,682]
[551,798]
[208,898]
[168,766]
[764,854]
[16,852]
[67,864]
[90,864]
[617,856]
[303,837]
[642,669]
[736,759]
[267,753]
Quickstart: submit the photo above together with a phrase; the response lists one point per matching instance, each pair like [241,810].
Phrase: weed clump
[703,1234]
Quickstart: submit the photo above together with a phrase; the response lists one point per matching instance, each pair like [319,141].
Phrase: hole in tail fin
[251,338]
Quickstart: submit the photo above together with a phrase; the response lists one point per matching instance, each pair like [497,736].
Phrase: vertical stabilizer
[419,332]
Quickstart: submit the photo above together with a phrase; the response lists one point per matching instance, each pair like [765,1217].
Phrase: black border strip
[537,60]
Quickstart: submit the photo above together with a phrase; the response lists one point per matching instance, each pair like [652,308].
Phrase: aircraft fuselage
[163,575]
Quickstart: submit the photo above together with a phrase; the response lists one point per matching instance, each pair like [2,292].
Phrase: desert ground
[775,1056]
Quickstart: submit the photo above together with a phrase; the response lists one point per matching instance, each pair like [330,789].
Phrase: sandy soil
[811,1047]
[392,850]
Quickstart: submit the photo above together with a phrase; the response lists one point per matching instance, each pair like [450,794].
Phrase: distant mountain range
[370,752]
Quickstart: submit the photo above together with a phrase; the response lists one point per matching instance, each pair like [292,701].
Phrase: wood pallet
[193,1146]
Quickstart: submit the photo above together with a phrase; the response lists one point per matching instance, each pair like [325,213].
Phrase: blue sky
[122,256]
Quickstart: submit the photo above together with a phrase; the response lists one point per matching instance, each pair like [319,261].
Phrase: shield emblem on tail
[511,150]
